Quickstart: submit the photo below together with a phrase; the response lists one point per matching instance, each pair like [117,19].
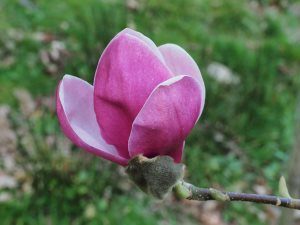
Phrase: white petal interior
[76,97]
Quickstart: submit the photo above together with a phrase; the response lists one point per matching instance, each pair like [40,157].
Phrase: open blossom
[145,100]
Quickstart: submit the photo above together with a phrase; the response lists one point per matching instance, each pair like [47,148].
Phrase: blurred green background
[248,53]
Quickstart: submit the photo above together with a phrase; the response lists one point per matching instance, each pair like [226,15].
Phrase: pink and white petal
[180,62]
[147,40]
[75,110]
[168,116]
[127,73]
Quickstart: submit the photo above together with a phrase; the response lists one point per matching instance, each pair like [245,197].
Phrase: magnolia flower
[145,100]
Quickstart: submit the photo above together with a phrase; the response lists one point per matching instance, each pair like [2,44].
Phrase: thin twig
[192,192]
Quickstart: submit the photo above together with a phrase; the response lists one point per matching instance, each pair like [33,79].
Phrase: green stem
[185,190]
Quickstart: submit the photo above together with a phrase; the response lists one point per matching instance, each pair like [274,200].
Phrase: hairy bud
[156,176]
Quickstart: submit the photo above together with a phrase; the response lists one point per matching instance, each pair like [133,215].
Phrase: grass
[255,118]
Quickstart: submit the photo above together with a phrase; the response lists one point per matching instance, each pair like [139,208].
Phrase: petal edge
[166,118]
[181,63]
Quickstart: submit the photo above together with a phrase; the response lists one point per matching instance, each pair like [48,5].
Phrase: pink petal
[127,73]
[180,62]
[166,119]
[75,110]
[145,39]
[177,154]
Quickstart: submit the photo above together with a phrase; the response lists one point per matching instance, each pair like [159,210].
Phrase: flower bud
[156,176]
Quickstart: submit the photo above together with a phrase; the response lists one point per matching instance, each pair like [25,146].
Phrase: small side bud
[156,176]
[283,190]
[219,195]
